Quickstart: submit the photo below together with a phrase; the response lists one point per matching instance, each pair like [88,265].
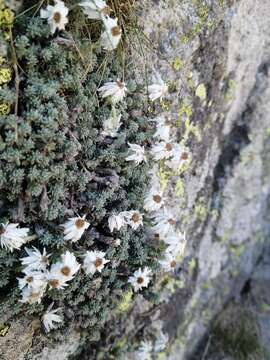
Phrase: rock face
[226,213]
[216,57]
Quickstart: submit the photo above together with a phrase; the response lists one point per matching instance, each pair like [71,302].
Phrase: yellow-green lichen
[230,91]
[191,266]
[237,250]
[4,109]
[201,92]
[179,188]
[191,129]
[177,64]
[5,75]
[126,302]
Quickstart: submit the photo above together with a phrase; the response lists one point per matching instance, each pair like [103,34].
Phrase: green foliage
[54,162]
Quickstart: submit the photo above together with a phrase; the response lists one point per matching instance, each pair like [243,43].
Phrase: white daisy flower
[116,222]
[74,228]
[164,223]
[176,244]
[162,150]
[133,218]
[117,242]
[11,237]
[34,279]
[157,90]
[138,154]
[112,35]
[140,278]
[112,125]
[154,200]
[169,263]
[180,156]
[31,295]
[63,271]
[116,90]
[94,261]
[162,129]
[95,9]
[49,318]
[161,342]
[56,15]
[35,260]
[144,351]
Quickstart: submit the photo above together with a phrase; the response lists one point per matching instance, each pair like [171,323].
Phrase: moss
[235,333]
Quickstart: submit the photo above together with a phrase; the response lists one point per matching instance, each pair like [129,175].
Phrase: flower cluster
[57,17]
[58,275]
[38,278]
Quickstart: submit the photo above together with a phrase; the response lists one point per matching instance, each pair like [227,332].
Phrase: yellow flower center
[157,198]
[98,262]
[2,230]
[106,10]
[80,223]
[184,156]
[169,147]
[116,31]
[57,17]
[65,270]
[54,283]
[140,280]
[136,217]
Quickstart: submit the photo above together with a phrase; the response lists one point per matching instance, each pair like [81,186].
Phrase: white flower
[144,351]
[133,218]
[31,295]
[74,228]
[154,200]
[117,242]
[162,150]
[111,36]
[180,156]
[161,342]
[140,278]
[176,244]
[49,318]
[169,263]
[34,279]
[94,261]
[116,90]
[138,154]
[11,237]
[116,222]
[112,125]
[164,223]
[162,129]
[63,271]
[157,90]
[56,15]
[95,9]
[35,260]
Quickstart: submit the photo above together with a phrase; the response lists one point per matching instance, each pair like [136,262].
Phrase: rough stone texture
[225,207]
[231,164]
